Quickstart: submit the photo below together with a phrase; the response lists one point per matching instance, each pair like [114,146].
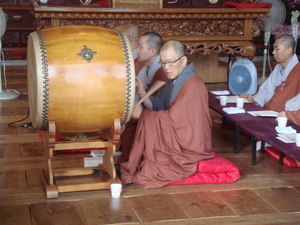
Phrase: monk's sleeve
[294,116]
[267,89]
[293,104]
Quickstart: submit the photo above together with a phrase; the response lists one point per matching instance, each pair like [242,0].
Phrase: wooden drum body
[80,77]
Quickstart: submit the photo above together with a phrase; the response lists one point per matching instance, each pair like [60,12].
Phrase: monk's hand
[137,110]
[249,98]
[139,87]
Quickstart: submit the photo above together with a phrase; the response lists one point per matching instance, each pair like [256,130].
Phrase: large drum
[80,77]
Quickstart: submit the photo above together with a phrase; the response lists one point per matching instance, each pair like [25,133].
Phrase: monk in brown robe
[148,69]
[174,131]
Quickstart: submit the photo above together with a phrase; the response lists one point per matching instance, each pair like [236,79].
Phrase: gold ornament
[85,2]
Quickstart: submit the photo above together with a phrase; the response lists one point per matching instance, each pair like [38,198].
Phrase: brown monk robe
[286,91]
[169,143]
[293,116]
[128,134]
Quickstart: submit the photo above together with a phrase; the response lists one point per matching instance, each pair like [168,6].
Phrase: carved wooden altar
[202,30]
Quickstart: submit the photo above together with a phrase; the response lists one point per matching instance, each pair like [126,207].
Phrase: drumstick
[158,84]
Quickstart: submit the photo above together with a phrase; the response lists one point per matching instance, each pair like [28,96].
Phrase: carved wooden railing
[203,30]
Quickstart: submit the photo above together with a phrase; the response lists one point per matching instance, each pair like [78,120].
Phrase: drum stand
[106,171]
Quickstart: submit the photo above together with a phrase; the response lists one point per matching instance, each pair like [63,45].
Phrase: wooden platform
[267,193]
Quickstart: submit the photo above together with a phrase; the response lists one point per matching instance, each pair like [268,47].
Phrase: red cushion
[288,161]
[101,2]
[213,171]
[246,5]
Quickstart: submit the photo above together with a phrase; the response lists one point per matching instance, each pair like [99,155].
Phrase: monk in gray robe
[149,71]
[283,84]
[174,128]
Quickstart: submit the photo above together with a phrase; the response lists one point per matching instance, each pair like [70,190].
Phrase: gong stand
[106,171]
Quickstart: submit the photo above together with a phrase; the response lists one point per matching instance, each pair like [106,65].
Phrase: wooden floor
[267,193]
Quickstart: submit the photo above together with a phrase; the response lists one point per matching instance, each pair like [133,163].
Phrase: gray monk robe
[169,143]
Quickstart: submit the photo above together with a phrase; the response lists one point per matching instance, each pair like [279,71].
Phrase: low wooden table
[259,127]
[214,104]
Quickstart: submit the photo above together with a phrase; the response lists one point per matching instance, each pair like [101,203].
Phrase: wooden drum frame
[80,79]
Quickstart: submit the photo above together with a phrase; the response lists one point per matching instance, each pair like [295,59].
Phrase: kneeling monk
[174,128]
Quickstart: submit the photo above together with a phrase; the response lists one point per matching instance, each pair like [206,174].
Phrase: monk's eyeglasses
[169,63]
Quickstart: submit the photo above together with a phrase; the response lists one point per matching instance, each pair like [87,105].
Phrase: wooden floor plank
[21,101]
[21,163]
[33,177]
[284,199]
[246,202]
[243,163]
[6,111]
[54,213]
[12,179]
[107,211]
[19,138]
[203,204]
[262,219]
[24,111]
[10,150]
[32,149]
[4,129]
[15,215]
[156,207]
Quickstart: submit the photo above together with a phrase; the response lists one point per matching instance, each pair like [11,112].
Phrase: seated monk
[174,128]
[133,34]
[148,69]
[283,84]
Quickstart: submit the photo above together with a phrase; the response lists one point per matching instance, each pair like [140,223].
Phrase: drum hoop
[44,59]
[128,59]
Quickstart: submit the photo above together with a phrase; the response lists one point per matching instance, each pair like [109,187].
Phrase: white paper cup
[281,122]
[240,102]
[223,100]
[115,190]
[298,139]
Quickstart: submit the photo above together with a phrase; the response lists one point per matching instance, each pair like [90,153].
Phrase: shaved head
[177,46]
[288,41]
[130,30]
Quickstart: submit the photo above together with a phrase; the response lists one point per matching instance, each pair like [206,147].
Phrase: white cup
[115,190]
[223,100]
[298,139]
[240,103]
[281,122]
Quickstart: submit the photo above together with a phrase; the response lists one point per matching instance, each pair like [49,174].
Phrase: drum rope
[128,76]
[45,110]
